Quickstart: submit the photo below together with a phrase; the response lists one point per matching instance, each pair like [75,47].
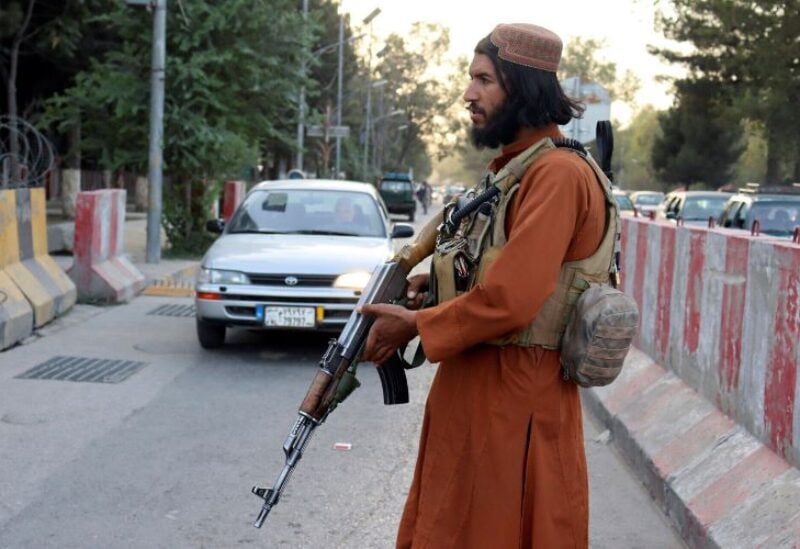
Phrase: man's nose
[470,94]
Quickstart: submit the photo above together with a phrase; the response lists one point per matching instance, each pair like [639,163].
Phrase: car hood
[296,254]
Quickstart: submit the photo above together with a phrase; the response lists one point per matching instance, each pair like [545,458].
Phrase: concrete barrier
[16,314]
[49,291]
[100,271]
[718,484]
[707,411]
[722,311]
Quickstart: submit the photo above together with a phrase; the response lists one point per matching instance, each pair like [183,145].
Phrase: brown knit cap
[527,45]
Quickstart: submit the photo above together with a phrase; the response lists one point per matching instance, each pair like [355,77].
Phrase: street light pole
[368,124]
[301,100]
[339,105]
[155,157]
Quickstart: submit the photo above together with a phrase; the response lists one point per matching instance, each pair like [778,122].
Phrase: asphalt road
[167,456]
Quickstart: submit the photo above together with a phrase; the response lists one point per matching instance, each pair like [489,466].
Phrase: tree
[749,48]
[633,147]
[421,87]
[700,141]
[229,77]
[581,58]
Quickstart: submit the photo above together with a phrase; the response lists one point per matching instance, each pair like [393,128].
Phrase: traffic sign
[333,131]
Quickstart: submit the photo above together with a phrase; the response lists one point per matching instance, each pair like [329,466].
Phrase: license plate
[289,317]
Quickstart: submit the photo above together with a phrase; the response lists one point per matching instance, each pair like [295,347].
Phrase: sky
[627,26]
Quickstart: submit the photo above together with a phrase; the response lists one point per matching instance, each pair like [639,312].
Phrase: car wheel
[210,336]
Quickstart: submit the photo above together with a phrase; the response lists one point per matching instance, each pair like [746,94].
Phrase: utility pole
[339,106]
[368,123]
[155,157]
[301,100]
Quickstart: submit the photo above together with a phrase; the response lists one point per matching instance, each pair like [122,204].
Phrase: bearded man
[501,461]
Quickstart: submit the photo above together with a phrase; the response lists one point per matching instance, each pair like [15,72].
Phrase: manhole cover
[173,309]
[94,370]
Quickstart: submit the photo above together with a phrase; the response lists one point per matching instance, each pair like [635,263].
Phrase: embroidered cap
[527,45]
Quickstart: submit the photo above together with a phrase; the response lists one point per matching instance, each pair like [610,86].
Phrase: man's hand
[417,290]
[394,327]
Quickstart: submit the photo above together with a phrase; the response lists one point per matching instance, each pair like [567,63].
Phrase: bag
[599,334]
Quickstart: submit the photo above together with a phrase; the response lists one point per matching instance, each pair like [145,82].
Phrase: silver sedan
[295,255]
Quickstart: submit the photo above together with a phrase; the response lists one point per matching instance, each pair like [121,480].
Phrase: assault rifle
[336,378]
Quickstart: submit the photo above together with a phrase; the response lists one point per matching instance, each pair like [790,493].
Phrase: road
[166,457]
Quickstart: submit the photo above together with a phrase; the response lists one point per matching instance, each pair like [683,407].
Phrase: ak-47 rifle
[336,378]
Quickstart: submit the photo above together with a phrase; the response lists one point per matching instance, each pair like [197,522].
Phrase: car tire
[210,335]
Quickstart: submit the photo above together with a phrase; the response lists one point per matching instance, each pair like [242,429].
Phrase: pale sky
[626,25]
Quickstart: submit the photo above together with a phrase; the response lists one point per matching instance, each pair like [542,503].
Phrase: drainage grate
[173,309]
[94,370]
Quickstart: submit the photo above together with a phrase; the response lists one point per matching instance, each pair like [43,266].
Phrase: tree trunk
[71,175]
[16,172]
[773,174]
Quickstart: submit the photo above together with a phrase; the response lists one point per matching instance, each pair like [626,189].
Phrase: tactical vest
[461,260]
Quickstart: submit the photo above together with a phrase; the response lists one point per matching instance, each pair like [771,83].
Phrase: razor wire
[26,156]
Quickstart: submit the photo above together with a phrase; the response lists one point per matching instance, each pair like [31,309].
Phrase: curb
[717,483]
[177,284]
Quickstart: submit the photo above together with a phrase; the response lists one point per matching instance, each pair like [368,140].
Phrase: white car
[295,255]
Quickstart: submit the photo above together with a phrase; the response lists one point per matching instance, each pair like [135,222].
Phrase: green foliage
[229,76]
[749,48]
[424,86]
[700,141]
[632,149]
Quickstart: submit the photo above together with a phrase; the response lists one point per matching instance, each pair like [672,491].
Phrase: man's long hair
[535,99]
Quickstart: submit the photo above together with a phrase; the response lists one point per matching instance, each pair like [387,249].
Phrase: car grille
[302,280]
[290,299]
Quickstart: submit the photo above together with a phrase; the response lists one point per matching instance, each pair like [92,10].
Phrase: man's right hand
[418,286]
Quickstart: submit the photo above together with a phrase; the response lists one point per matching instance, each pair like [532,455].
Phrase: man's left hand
[394,327]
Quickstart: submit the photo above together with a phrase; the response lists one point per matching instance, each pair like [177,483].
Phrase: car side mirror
[215,226]
[402,230]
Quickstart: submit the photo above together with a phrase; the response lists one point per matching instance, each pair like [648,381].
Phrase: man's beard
[500,129]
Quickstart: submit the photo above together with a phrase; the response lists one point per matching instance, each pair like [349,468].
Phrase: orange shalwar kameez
[501,460]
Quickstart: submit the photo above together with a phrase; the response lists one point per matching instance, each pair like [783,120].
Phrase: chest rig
[473,235]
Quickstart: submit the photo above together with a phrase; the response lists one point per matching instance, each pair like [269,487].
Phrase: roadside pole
[156,131]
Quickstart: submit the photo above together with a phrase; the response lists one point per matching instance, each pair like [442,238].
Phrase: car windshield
[309,211]
[648,200]
[396,186]
[702,207]
[777,218]
[623,202]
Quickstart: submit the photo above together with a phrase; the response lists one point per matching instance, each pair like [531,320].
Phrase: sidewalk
[173,277]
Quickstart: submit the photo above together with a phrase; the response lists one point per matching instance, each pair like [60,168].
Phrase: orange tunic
[501,460]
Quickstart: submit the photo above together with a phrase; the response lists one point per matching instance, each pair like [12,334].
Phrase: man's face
[484,95]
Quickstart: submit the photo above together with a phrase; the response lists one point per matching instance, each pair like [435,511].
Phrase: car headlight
[218,276]
[354,281]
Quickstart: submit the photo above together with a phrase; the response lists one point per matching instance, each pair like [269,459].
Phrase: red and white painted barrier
[706,408]
[718,484]
[233,195]
[100,271]
[722,311]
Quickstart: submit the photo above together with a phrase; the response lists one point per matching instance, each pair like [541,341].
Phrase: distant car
[692,207]
[646,202]
[295,255]
[397,191]
[777,210]
[624,202]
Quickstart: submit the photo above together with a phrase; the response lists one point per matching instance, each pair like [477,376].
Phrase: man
[501,460]
[344,211]
[423,195]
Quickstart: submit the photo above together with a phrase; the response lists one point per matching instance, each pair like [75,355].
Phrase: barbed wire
[26,156]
